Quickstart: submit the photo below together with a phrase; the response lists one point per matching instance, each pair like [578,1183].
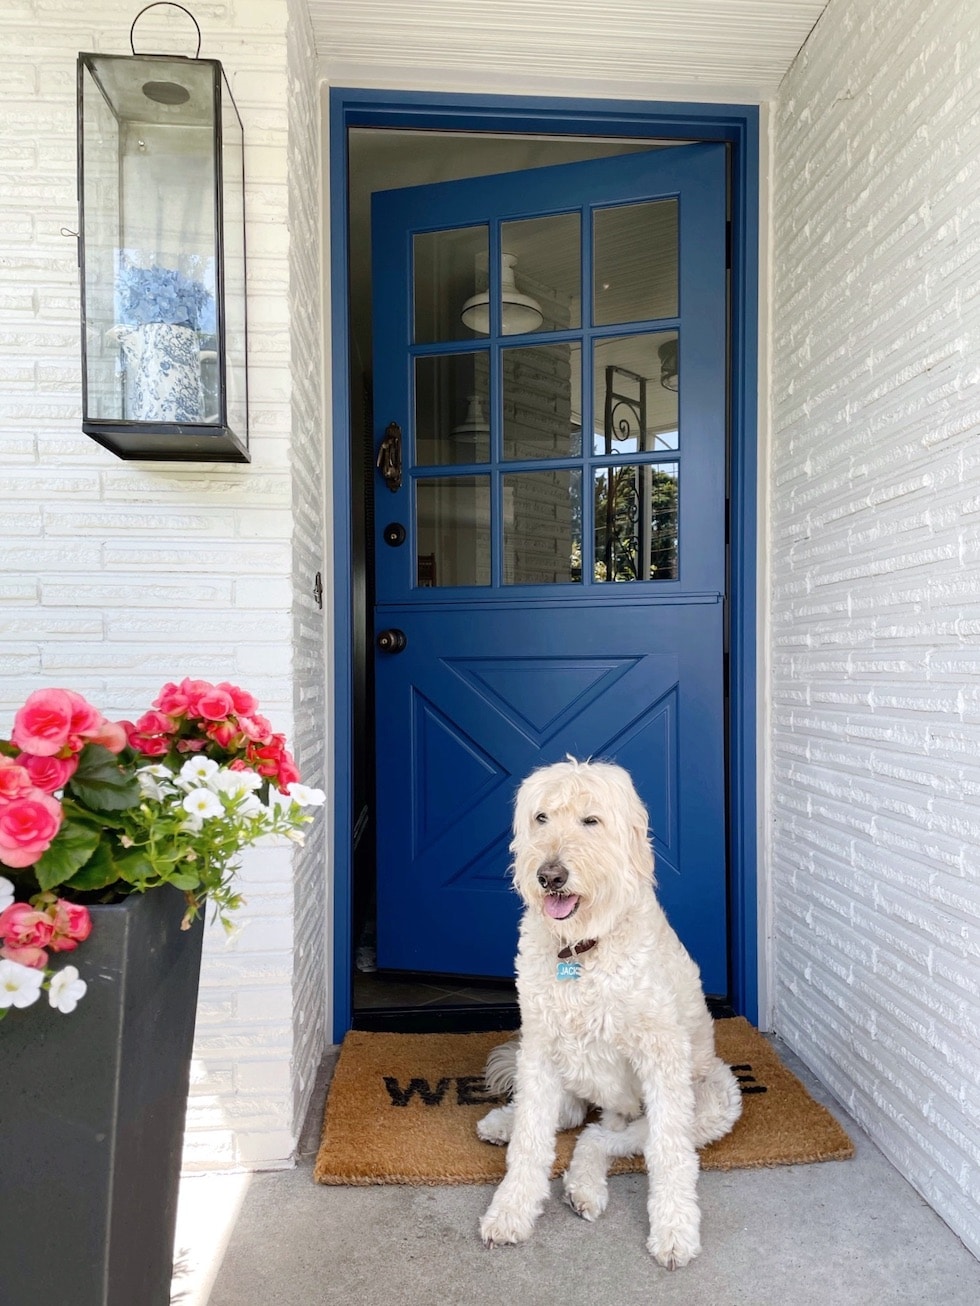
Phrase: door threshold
[468,1019]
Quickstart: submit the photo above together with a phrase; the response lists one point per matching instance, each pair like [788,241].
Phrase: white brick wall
[308,465]
[875,604]
[115,577]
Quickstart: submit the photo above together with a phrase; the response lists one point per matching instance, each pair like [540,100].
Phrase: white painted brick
[262,1076]
[117,576]
[874,486]
[263,1147]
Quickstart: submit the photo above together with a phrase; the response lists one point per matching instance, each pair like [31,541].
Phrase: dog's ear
[640,842]
[526,803]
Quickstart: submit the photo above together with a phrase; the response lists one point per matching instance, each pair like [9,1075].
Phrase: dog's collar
[578,948]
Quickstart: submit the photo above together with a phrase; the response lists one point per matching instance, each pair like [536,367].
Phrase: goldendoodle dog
[612,1016]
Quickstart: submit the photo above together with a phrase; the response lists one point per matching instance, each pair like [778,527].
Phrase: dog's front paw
[586,1199]
[496,1126]
[502,1227]
[671,1249]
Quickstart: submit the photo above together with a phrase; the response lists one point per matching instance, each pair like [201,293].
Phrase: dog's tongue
[559,906]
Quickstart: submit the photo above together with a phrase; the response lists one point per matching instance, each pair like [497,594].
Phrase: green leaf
[71,848]
[100,782]
[99,871]
[185,882]
[134,867]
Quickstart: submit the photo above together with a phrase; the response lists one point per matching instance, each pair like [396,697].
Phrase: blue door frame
[736,125]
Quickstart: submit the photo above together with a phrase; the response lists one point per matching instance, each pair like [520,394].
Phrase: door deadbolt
[394,534]
[391,641]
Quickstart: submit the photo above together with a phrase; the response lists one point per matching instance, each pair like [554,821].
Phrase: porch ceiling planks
[655,49]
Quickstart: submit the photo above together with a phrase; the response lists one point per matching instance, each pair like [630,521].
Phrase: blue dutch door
[550,404]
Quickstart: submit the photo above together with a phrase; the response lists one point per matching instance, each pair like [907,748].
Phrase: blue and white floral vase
[163,369]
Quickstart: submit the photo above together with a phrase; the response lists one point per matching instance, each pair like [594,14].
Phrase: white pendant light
[474,426]
[519,313]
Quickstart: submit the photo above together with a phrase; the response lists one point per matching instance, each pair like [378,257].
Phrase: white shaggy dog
[612,1015]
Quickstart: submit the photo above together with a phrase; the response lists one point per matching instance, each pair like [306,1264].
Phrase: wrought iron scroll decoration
[623,414]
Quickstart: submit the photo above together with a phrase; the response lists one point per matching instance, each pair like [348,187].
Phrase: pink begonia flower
[191,745]
[244,703]
[192,691]
[23,926]
[35,958]
[222,732]
[111,735]
[214,705]
[85,719]
[72,925]
[154,723]
[256,728]
[15,779]
[27,827]
[43,724]
[149,745]
[49,773]
[172,700]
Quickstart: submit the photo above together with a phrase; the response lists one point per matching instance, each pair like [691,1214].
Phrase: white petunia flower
[6,893]
[198,771]
[203,803]
[20,986]
[150,786]
[236,783]
[66,989]
[305,796]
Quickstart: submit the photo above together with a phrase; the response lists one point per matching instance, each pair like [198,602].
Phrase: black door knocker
[390,457]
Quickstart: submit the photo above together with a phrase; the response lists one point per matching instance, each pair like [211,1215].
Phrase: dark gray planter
[92,1109]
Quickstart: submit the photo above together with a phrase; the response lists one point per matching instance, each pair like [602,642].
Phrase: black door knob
[394,534]
[391,641]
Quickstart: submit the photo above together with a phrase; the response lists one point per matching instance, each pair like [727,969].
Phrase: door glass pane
[452,408]
[634,396]
[636,521]
[444,265]
[543,401]
[452,528]
[542,528]
[635,262]
[542,263]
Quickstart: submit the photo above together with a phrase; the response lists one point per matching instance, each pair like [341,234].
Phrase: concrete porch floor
[850,1233]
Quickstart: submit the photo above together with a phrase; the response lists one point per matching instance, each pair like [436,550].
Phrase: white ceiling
[683,49]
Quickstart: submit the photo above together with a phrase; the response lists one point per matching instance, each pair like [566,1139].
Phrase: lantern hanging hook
[170,4]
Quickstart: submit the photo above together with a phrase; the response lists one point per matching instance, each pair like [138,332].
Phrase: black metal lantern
[162,257]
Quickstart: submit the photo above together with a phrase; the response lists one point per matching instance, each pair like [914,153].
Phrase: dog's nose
[552,877]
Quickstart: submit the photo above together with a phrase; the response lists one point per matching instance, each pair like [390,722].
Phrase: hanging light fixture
[667,353]
[162,256]
[518,313]
[474,426]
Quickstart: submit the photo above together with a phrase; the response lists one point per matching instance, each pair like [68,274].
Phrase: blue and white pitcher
[163,369]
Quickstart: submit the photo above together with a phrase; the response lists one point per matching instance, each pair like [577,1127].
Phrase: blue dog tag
[569,970]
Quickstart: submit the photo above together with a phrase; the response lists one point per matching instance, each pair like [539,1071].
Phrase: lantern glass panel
[233,232]
[163,257]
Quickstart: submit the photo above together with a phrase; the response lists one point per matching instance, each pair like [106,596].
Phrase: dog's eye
[591,820]
[541,818]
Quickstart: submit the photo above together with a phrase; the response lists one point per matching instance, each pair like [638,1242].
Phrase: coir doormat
[403,1108]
